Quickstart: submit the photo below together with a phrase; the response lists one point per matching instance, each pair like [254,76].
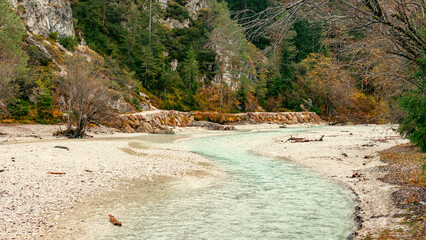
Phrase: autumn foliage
[333,88]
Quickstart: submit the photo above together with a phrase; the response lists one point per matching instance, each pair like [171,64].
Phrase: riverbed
[198,184]
[256,198]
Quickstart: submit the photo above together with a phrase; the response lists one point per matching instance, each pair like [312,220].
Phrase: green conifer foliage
[12,58]
[190,70]
[414,123]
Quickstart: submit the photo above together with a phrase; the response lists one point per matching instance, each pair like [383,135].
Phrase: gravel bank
[29,193]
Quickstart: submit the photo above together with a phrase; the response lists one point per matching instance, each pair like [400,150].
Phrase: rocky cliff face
[194,6]
[45,16]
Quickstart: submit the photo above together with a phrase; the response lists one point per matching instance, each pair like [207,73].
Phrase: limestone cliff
[45,16]
[42,17]
[194,6]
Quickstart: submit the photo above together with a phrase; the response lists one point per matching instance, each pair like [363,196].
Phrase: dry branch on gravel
[302,140]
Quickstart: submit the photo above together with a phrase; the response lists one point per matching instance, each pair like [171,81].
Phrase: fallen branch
[62,147]
[57,173]
[295,139]
[303,140]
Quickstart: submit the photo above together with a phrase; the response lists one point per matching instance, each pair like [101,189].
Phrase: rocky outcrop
[259,117]
[194,7]
[45,16]
[173,23]
[163,3]
[152,121]
[163,121]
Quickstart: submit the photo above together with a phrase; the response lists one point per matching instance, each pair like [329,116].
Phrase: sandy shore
[348,155]
[32,200]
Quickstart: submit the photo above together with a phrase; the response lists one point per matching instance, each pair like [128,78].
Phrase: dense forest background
[348,61]
[253,80]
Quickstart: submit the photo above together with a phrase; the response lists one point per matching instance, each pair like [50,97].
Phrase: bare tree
[276,20]
[400,21]
[397,27]
[86,97]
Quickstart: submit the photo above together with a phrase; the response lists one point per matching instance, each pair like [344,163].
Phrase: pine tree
[228,40]
[12,57]
[190,70]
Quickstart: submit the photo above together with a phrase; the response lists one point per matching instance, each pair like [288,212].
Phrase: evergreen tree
[307,39]
[228,40]
[12,58]
[414,123]
[190,70]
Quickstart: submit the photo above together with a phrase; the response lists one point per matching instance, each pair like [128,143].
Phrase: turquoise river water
[260,198]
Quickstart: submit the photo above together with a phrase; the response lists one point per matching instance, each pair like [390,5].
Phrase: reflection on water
[261,198]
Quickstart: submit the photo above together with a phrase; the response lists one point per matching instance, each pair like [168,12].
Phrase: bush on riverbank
[414,125]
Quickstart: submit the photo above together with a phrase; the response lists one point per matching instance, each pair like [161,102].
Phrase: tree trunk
[221,81]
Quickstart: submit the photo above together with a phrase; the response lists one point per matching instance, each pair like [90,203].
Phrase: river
[258,198]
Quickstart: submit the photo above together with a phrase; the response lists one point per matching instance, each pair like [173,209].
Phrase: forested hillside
[348,61]
[202,62]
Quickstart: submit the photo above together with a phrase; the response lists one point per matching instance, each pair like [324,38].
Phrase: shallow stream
[259,198]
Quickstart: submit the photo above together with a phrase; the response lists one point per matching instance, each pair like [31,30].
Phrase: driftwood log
[302,140]
[114,220]
[57,173]
[62,147]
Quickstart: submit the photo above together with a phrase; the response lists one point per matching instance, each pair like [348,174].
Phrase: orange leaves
[333,86]
[213,98]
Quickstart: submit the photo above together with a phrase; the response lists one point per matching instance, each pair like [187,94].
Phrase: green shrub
[19,109]
[68,42]
[316,110]
[37,58]
[177,12]
[53,35]
[44,105]
[414,123]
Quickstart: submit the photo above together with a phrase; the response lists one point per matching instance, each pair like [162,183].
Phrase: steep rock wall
[45,16]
